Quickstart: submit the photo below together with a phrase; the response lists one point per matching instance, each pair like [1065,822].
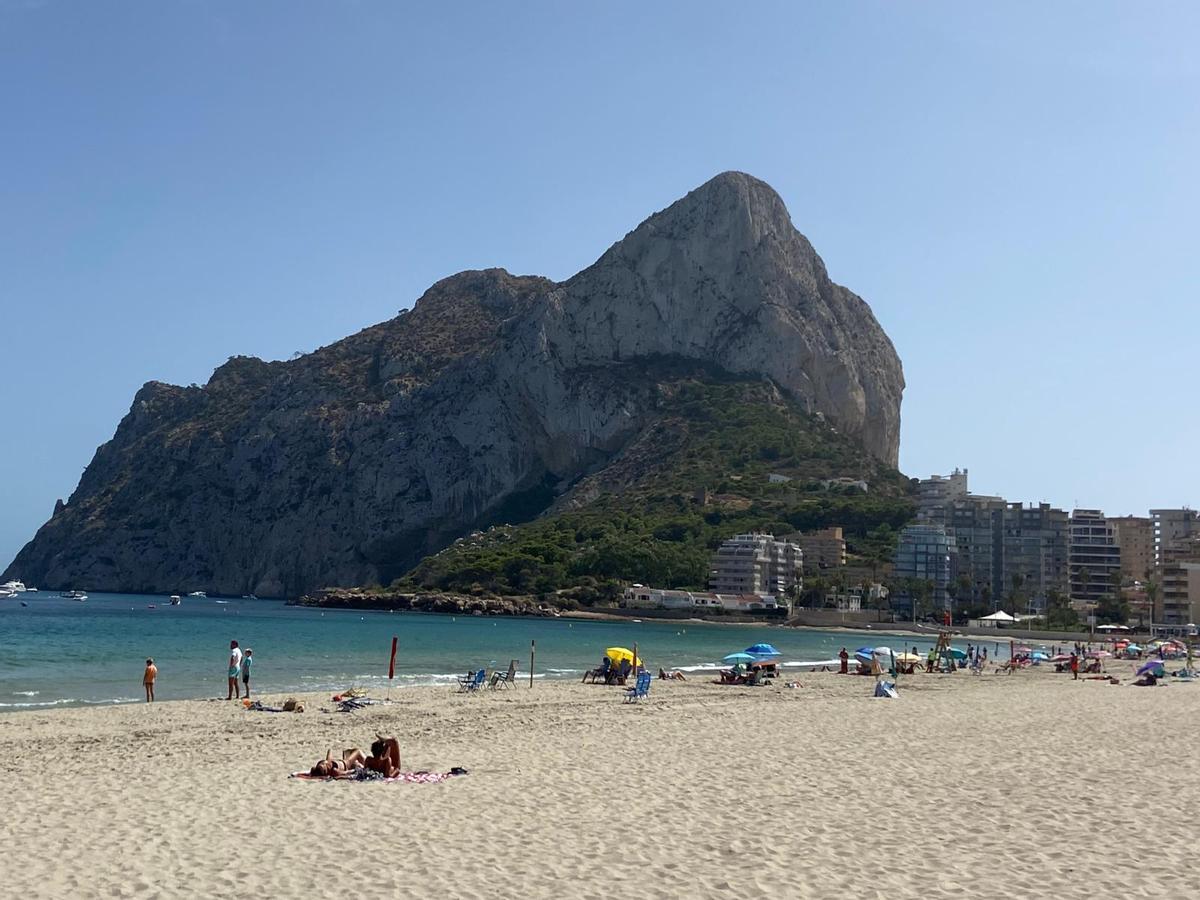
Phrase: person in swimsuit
[148,678]
[345,767]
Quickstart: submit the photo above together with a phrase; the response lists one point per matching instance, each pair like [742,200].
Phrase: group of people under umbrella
[751,666]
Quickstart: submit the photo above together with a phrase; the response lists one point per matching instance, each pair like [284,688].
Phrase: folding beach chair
[640,689]
[500,679]
[471,683]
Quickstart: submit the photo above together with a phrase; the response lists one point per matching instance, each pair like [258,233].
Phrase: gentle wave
[112,701]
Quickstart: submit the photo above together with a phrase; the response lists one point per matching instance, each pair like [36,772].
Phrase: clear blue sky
[1013,188]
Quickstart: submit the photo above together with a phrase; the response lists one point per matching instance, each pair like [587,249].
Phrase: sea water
[56,652]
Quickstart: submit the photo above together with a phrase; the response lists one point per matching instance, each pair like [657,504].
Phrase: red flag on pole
[392,661]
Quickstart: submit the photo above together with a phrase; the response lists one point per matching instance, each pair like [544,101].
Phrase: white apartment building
[756,563]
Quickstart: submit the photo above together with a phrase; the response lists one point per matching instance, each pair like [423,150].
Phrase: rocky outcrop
[488,400]
[444,604]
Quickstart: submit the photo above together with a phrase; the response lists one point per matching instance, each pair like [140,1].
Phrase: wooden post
[635,662]
[532,650]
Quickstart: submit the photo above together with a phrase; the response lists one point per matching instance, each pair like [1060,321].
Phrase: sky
[1012,187]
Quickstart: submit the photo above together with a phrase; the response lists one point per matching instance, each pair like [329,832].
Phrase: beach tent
[998,616]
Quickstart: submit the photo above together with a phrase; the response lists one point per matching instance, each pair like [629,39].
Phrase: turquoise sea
[56,652]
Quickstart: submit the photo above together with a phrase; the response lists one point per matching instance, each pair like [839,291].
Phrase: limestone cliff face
[489,399]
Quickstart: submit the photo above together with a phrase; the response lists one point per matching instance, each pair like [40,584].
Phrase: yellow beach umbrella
[616,654]
[907,658]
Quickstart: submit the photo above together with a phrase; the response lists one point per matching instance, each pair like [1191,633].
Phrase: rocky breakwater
[488,401]
[448,604]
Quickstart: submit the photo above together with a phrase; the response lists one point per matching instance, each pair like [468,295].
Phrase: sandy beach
[1024,785]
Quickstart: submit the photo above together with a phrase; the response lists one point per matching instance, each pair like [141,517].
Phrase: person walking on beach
[148,678]
[235,669]
[247,661]
[1074,667]
[844,657]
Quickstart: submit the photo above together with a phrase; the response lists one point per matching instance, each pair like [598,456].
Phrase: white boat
[15,586]
[73,595]
[198,594]
[175,600]
[6,593]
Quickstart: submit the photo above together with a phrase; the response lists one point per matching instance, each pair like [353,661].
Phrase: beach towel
[403,777]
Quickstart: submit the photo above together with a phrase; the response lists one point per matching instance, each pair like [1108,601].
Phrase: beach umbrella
[1061,657]
[864,651]
[907,658]
[954,653]
[1041,655]
[616,654]
[1154,665]
[762,650]
[1097,654]
[740,657]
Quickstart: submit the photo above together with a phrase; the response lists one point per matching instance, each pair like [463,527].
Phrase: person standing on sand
[148,678]
[845,662]
[1074,667]
[235,669]
[247,661]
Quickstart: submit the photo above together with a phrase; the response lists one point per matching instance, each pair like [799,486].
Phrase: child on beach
[148,678]
[247,661]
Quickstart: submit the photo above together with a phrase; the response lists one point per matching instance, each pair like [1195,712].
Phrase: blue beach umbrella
[1154,665]
[763,650]
[739,658]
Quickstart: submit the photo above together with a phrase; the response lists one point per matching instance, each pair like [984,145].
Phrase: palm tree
[1152,596]
[1015,597]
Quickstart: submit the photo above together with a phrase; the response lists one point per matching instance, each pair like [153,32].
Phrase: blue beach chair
[640,689]
[471,683]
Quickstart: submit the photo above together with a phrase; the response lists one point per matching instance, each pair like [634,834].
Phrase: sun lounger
[640,689]
[600,672]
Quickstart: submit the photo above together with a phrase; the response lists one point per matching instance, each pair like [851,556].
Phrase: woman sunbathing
[339,768]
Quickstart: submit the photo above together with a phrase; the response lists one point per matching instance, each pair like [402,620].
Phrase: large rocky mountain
[492,397]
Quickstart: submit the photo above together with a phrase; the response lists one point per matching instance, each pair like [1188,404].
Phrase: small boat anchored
[198,594]
[73,595]
[175,599]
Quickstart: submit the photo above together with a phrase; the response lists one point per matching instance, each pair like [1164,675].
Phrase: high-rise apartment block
[926,553]
[1176,551]
[1004,549]
[1095,556]
[755,564]
[1135,536]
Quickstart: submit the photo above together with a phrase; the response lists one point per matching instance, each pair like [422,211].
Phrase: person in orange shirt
[148,679]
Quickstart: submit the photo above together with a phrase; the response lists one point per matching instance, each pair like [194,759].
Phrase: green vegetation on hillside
[697,475]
